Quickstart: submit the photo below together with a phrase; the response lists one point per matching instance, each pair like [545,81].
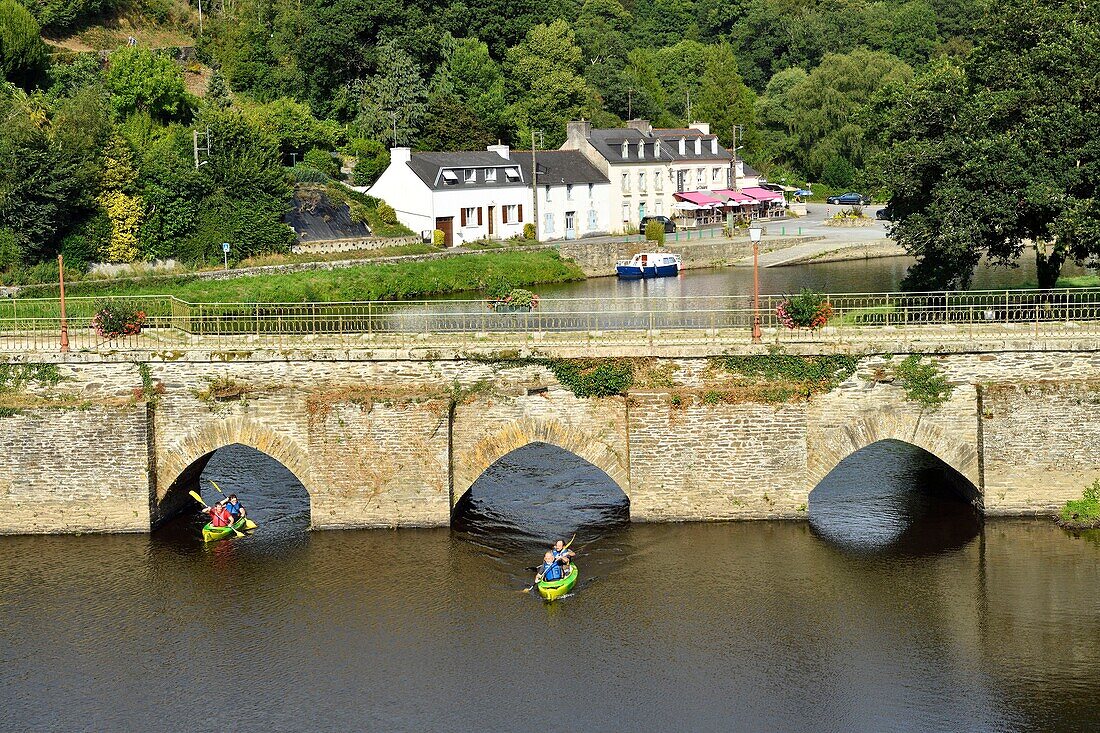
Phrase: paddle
[246,521]
[530,587]
[196,497]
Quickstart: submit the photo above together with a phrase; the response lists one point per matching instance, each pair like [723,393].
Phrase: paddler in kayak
[550,569]
[235,508]
[219,515]
[562,555]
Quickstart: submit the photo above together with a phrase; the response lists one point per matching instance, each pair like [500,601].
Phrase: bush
[305,173]
[438,237]
[808,309]
[386,213]
[497,287]
[529,231]
[922,383]
[323,161]
[372,159]
[655,232]
[1083,513]
[9,249]
[117,318]
[82,246]
[23,55]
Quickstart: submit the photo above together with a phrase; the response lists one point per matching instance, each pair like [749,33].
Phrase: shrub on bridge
[808,309]
[117,318]
[655,232]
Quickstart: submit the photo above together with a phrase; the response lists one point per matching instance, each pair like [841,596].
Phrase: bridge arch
[180,464]
[827,448]
[495,445]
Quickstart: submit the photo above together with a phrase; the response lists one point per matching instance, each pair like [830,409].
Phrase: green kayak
[211,533]
[552,589]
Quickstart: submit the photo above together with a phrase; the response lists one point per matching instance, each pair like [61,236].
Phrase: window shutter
[520,210]
[463,215]
[479,216]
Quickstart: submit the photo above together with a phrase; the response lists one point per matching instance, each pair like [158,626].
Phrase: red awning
[735,197]
[762,194]
[699,198]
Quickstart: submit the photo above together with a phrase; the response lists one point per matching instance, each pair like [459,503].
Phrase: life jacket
[233,509]
[219,517]
[551,571]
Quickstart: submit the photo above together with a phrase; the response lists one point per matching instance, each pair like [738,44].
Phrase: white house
[467,195]
[573,196]
[647,166]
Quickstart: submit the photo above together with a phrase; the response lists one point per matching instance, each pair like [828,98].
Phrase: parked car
[886,213]
[849,199]
[669,224]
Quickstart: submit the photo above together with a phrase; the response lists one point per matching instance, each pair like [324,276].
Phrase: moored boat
[649,264]
[553,589]
[213,534]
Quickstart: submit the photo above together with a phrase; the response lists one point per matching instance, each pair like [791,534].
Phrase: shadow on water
[536,495]
[897,499]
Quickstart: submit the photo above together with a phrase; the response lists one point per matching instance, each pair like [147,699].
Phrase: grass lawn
[378,281]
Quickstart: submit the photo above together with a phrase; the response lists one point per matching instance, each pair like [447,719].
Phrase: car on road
[669,224]
[849,199]
[886,213]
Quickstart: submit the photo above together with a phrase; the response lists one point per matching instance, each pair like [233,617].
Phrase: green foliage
[58,16]
[393,100]
[780,377]
[14,377]
[592,377]
[1083,513]
[115,318]
[23,55]
[808,309]
[922,383]
[83,245]
[371,160]
[303,173]
[322,161]
[141,79]
[529,231]
[9,249]
[217,91]
[655,232]
[439,238]
[292,125]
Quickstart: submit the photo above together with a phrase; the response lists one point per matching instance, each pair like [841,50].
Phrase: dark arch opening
[896,497]
[538,492]
[271,493]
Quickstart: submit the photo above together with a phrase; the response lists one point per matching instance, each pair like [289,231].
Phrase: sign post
[225,254]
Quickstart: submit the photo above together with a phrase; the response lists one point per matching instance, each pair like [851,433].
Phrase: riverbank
[414,276]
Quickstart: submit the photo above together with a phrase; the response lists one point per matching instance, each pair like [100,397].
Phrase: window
[641,150]
[471,175]
[449,177]
[683,146]
[590,189]
[624,151]
[656,148]
[512,213]
[680,180]
[714,146]
[626,212]
[570,220]
[716,175]
[512,174]
[548,223]
[626,183]
[658,181]
[700,177]
[659,208]
[641,182]
[569,192]
[490,174]
[698,146]
[469,216]
[547,194]
[593,220]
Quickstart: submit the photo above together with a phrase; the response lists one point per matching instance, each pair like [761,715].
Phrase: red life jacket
[219,517]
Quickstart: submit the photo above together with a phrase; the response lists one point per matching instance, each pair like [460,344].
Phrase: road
[813,225]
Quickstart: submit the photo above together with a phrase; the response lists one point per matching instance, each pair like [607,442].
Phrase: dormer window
[656,148]
[714,146]
[698,146]
[641,150]
[624,151]
[490,174]
[449,177]
[471,175]
[512,174]
[683,146]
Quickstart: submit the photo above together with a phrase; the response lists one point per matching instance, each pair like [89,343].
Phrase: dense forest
[97,154]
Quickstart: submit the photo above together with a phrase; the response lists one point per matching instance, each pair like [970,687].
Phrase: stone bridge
[396,440]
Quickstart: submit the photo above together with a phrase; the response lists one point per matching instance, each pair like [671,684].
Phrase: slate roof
[429,168]
[608,142]
[556,167]
[314,216]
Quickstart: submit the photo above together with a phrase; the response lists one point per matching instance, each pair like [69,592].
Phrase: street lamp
[64,321]
[754,235]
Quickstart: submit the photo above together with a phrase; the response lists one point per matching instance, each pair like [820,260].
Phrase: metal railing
[173,324]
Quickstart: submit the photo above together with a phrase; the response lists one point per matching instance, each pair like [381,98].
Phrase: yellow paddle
[528,588]
[196,497]
[248,523]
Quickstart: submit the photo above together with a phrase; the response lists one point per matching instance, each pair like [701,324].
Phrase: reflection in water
[894,496]
[737,626]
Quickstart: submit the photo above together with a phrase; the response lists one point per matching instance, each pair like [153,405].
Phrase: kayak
[213,534]
[552,589]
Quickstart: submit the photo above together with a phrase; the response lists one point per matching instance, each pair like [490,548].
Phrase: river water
[893,609]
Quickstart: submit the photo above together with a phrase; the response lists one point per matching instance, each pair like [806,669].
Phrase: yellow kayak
[553,589]
[213,534]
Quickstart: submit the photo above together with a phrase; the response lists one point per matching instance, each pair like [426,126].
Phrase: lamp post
[64,322]
[754,235]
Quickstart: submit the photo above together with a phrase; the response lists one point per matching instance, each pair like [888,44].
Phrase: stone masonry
[386,442]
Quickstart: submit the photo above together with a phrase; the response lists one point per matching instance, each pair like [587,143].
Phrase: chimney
[576,132]
[501,150]
[400,155]
[641,126]
[703,127]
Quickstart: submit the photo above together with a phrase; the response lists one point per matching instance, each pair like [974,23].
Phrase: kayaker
[219,515]
[561,554]
[550,569]
[235,508]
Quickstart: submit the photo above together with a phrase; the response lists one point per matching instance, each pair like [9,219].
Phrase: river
[893,609]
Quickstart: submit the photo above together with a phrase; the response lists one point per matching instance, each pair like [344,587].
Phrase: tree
[601,29]
[371,160]
[466,105]
[23,55]
[292,125]
[124,209]
[140,79]
[546,83]
[723,99]
[983,156]
[394,102]
[217,91]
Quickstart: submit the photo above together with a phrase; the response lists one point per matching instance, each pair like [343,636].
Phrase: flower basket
[116,319]
[517,300]
[806,310]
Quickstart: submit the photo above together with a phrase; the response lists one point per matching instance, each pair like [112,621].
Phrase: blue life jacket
[551,571]
[234,508]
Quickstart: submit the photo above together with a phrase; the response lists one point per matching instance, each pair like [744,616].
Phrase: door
[679,180]
[570,225]
[492,217]
[641,212]
[446,224]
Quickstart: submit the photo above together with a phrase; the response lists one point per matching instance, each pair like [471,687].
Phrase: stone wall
[353,244]
[396,442]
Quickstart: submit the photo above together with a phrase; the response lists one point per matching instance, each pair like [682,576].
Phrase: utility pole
[630,103]
[199,149]
[200,17]
[394,116]
[534,183]
[689,107]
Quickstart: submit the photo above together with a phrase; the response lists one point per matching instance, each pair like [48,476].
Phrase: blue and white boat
[649,264]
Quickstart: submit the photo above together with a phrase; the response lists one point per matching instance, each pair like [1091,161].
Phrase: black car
[886,213]
[670,226]
[849,199]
